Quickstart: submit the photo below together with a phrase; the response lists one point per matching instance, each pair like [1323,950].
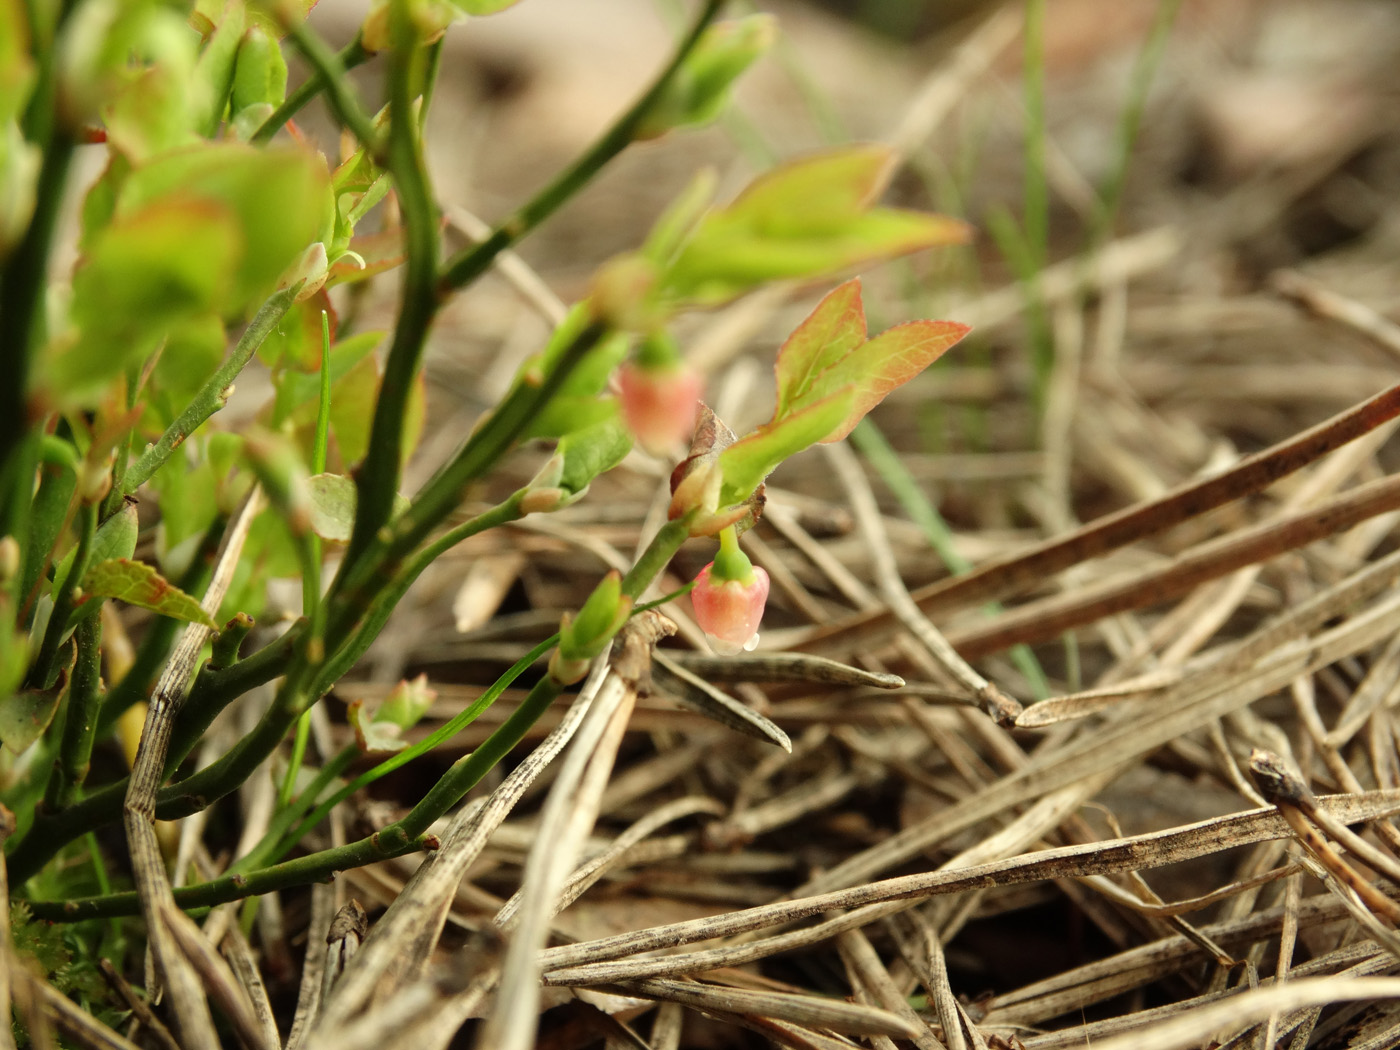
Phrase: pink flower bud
[659,404]
[729,611]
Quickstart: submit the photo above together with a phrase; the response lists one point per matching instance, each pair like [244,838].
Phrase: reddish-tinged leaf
[889,360]
[830,332]
[137,583]
[380,251]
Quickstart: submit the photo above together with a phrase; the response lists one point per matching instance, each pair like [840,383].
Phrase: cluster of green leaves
[210,238]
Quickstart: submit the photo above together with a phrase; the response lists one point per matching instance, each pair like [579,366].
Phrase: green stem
[213,395]
[316,867]
[656,557]
[80,718]
[472,262]
[211,693]
[329,75]
[44,669]
[351,56]
[377,481]
[387,598]
[405,835]
[439,736]
[22,285]
[356,588]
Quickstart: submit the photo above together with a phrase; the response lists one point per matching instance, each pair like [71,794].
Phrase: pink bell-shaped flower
[728,598]
[659,404]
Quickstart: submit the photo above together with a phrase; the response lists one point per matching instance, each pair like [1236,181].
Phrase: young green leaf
[829,333]
[333,506]
[153,268]
[753,457]
[809,217]
[828,353]
[137,583]
[280,199]
[25,715]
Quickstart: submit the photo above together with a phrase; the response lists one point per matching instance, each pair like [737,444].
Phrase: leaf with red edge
[878,366]
[830,332]
[137,583]
[828,354]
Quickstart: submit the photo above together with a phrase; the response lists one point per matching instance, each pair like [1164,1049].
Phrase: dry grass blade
[810,1010]
[691,691]
[562,964]
[163,920]
[1208,694]
[568,816]
[314,967]
[1030,568]
[1002,708]
[1323,302]
[1050,617]
[1238,1011]
[780,667]
[869,975]
[400,943]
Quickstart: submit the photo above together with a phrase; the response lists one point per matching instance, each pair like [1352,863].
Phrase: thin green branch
[213,395]
[329,75]
[377,481]
[472,262]
[354,54]
[80,718]
[44,670]
[356,588]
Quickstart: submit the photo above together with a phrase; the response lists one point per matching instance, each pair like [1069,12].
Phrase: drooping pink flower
[659,404]
[729,611]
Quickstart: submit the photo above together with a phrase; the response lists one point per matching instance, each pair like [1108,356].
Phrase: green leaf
[806,218]
[333,501]
[699,90]
[213,73]
[378,253]
[828,353]
[753,457]
[279,198]
[137,583]
[889,360]
[818,193]
[152,268]
[829,333]
[25,715]
[576,404]
[593,450]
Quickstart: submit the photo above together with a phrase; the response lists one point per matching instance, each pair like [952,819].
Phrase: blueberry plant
[217,238]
